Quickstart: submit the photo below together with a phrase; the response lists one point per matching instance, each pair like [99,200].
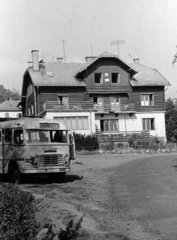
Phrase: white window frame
[148,124]
[115,121]
[85,125]
[147,99]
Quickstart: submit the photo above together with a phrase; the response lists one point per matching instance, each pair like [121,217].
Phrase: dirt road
[110,192]
[146,190]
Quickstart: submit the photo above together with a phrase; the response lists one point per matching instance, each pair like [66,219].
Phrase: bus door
[1,152]
[72,146]
[7,147]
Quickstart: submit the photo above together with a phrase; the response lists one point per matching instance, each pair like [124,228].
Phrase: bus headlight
[66,159]
[36,161]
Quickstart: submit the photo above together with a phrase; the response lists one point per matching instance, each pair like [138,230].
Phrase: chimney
[35,60]
[136,60]
[90,59]
[60,59]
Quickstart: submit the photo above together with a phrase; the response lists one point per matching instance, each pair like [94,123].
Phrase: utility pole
[117,42]
[63,41]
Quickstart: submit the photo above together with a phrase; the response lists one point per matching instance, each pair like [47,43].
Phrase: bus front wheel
[14,173]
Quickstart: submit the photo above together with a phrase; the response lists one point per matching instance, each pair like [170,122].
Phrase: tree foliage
[171,120]
[6,94]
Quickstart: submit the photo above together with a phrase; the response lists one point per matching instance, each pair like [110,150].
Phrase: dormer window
[115,78]
[98,78]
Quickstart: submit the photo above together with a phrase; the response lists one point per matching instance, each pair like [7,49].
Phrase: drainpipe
[90,122]
[35,109]
[125,125]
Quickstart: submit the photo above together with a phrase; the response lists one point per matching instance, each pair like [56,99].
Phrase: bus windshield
[49,136]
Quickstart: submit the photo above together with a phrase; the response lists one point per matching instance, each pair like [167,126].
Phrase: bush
[86,142]
[70,233]
[17,214]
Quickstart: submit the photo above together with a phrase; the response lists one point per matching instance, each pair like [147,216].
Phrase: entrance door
[115,103]
[100,104]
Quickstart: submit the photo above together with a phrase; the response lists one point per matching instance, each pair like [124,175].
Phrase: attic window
[115,78]
[98,78]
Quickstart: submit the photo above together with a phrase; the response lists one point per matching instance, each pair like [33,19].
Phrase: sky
[149,29]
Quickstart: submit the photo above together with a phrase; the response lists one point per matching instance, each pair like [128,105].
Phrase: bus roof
[32,123]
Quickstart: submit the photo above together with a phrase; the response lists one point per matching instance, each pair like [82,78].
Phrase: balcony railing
[53,105]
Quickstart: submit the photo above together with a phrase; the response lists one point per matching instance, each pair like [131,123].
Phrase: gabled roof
[147,76]
[107,55]
[10,105]
[70,74]
[57,74]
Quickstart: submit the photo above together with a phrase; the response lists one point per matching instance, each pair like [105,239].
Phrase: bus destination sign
[49,125]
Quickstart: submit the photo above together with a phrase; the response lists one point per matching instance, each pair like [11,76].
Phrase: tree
[171,120]
[6,94]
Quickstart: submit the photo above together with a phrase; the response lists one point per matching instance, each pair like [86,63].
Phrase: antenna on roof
[131,57]
[63,41]
[117,42]
[92,49]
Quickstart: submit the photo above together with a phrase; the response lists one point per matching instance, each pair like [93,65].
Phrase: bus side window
[18,136]
[8,135]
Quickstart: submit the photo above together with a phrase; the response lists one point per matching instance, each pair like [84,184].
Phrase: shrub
[86,142]
[17,214]
[70,233]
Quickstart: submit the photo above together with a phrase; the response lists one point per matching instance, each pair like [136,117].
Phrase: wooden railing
[83,105]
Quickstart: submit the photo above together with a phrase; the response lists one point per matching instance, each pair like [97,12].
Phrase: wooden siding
[108,90]
[79,100]
[107,65]
[159,98]
[77,96]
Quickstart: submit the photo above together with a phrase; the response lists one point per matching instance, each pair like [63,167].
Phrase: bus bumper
[48,170]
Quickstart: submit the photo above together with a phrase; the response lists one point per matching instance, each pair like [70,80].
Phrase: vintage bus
[35,146]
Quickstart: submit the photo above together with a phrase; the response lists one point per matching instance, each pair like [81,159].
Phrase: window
[98,103]
[98,78]
[58,136]
[75,123]
[115,103]
[148,123]
[35,136]
[6,115]
[64,101]
[147,99]
[109,125]
[8,136]
[18,137]
[115,78]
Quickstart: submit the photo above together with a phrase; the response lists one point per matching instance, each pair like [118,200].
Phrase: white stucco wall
[11,114]
[134,123]
[90,115]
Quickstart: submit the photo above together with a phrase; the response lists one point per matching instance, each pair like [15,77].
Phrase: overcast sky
[148,27]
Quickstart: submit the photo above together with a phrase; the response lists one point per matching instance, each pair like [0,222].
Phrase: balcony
[81,106]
